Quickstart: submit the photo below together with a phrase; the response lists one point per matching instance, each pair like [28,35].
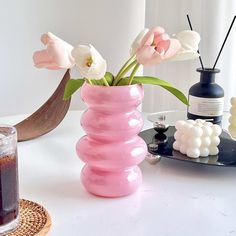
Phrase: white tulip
[137,42]
[189,41]
[90,63]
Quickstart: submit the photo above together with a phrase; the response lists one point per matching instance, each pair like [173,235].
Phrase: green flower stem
[88,81]
[133,73]
[131,59]
[105,81]
[123,68]
[124,72]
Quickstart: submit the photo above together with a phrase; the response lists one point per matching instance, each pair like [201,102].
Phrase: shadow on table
[187,169]
[66,190]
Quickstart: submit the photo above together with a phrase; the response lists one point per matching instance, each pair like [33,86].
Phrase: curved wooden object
[47,117]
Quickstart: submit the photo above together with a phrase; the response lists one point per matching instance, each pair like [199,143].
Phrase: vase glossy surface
[111,148]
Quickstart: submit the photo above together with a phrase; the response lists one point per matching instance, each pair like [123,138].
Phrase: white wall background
[110,26]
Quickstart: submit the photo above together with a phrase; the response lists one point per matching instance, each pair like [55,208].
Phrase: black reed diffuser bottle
[206,98]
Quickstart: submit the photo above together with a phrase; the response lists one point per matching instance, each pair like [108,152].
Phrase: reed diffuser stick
[190,25]
[224,41]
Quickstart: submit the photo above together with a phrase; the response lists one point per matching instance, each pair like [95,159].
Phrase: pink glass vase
[112,148]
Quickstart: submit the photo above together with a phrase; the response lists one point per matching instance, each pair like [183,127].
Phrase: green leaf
[109,77]
[125,81]
[163,84]
[96,81]
[72,86]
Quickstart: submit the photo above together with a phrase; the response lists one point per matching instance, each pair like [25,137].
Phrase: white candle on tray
[197,138]
[232,119]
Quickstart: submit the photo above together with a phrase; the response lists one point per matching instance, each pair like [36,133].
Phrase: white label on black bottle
[206,106]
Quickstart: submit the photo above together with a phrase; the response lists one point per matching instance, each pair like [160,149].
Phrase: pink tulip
[57,54]
[156,46]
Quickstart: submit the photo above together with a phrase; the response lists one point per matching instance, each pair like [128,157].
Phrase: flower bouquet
[111,147]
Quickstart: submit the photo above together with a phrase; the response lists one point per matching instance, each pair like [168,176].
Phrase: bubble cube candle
[232,118]
[197,138]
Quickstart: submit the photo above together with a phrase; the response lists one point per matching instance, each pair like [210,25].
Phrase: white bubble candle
[232,118]
[197,138]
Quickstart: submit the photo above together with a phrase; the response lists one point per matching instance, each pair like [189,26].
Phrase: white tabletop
[176,198]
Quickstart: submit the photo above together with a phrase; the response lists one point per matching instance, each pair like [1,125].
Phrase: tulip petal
[189,39]
[48,37]
[162,46]
[148,56]
[149,36]
[98,66]
[137,42]
[160,38]
[40,57]
[174,47]
[184,55]
[57,54]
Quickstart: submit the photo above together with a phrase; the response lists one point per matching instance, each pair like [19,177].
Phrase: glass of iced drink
[9,194]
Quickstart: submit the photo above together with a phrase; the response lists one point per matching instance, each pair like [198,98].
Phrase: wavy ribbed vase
[112,148]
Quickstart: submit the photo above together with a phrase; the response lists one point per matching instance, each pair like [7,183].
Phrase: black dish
[226,156]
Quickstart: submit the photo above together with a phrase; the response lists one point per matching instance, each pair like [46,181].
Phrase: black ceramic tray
[226,156]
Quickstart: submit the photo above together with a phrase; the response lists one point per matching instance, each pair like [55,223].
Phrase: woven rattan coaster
[34,220]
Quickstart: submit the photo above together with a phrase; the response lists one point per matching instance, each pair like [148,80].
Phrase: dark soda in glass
[9,194]
[8,189]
